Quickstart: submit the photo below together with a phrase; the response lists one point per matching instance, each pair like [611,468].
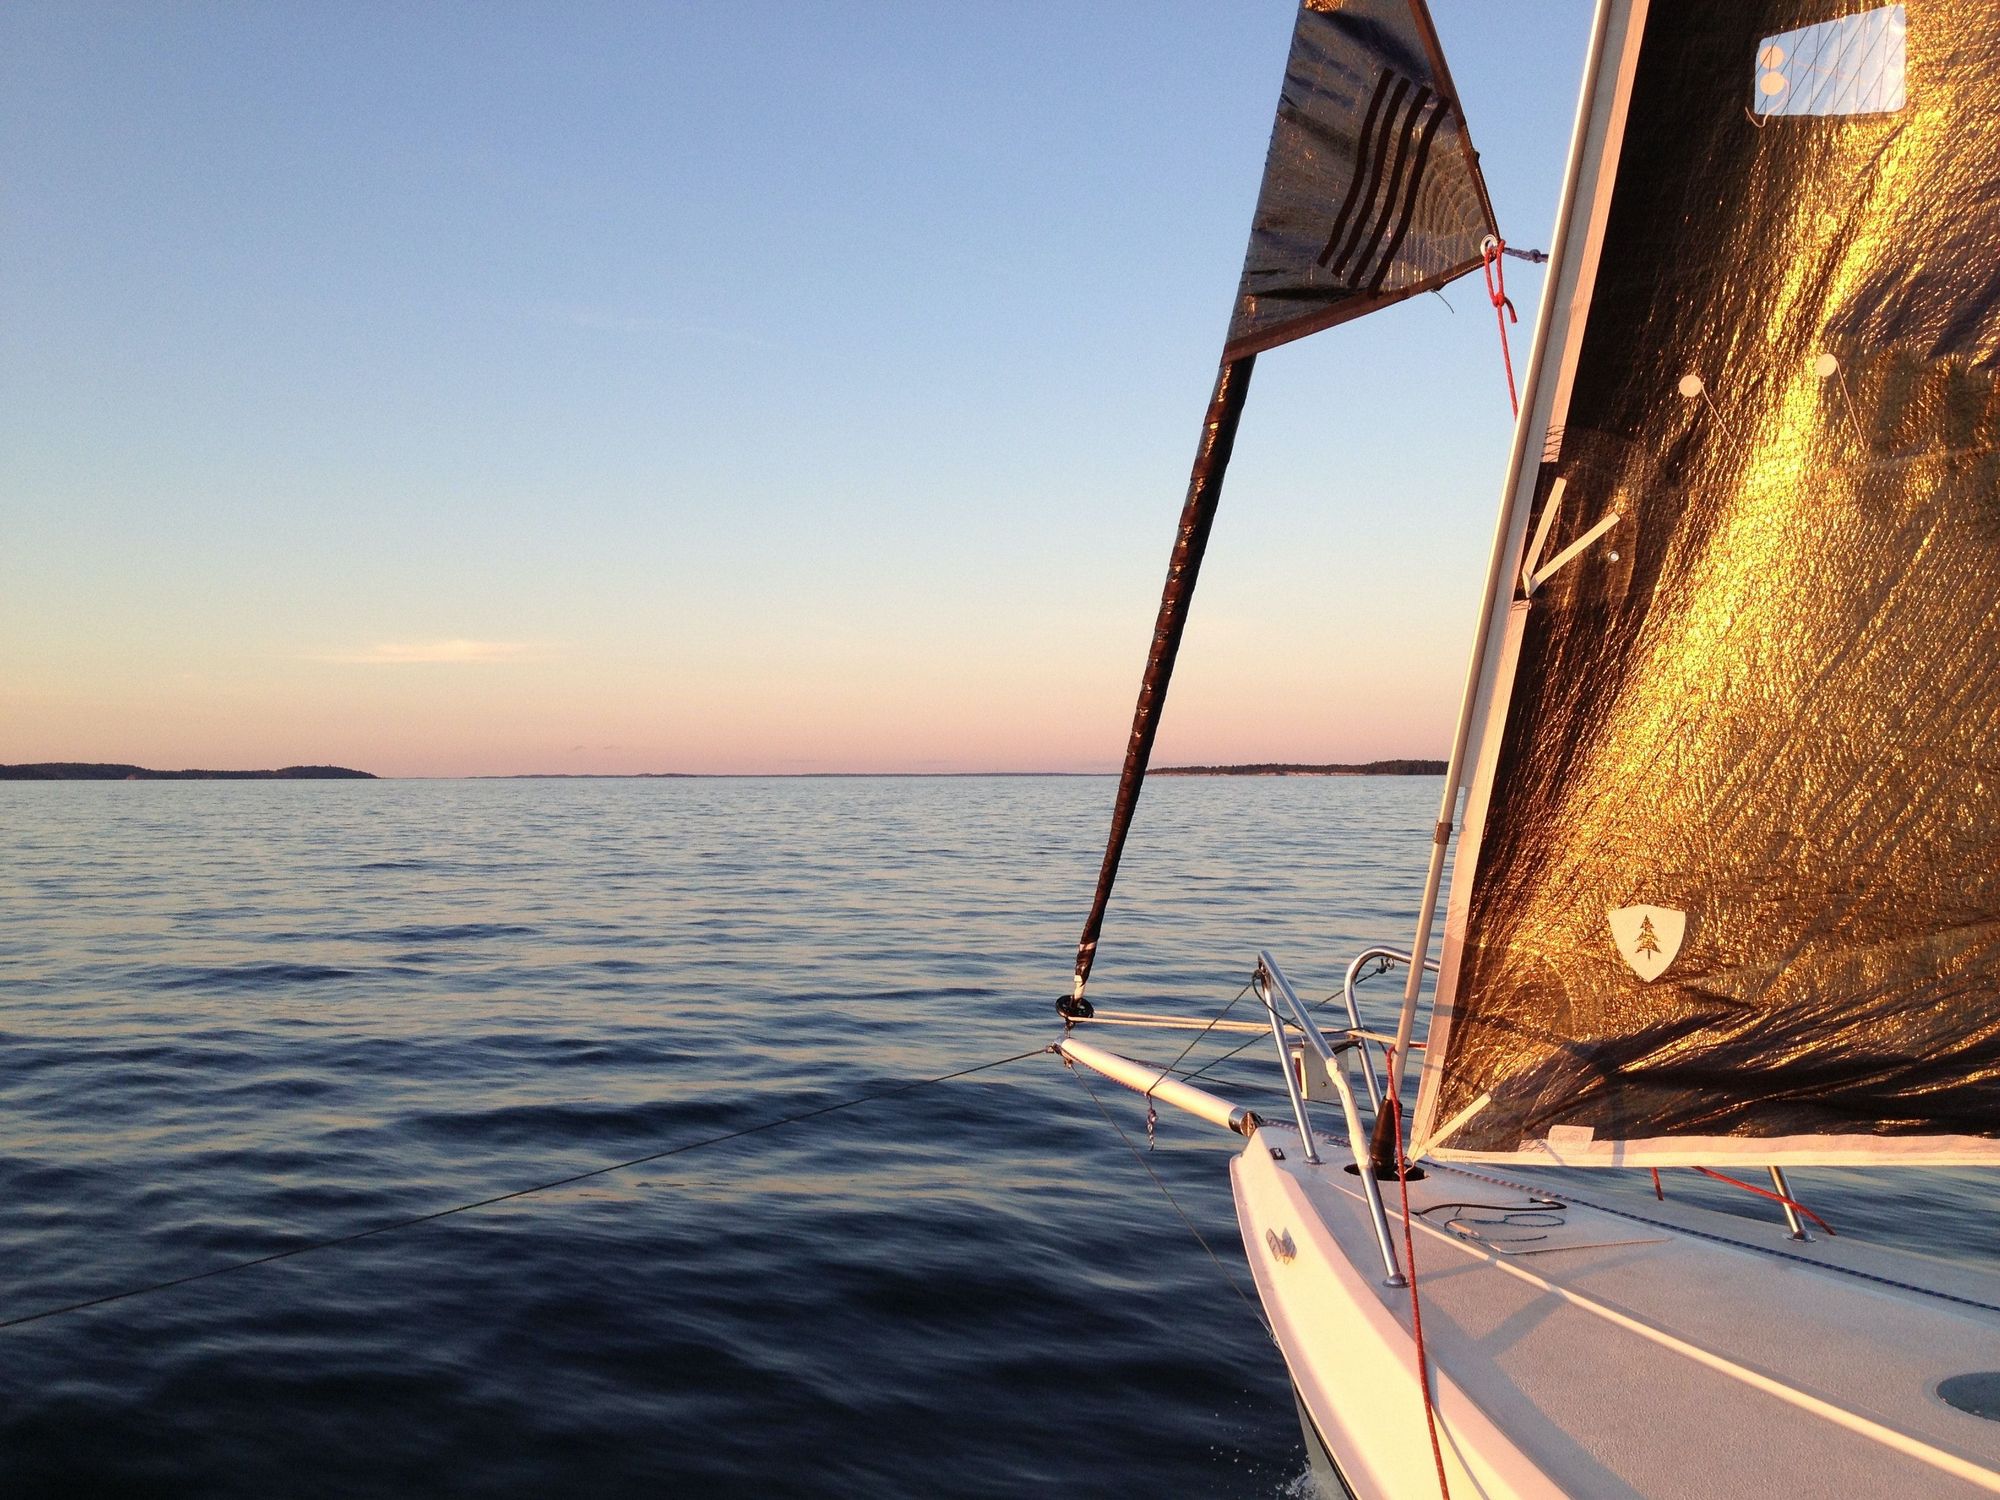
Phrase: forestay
[1730,879]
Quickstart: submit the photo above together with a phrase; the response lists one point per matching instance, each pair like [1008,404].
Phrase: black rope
[1167,1193]
[526,1192]
[1537,1205]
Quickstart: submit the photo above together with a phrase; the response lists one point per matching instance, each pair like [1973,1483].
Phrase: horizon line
[1266,768]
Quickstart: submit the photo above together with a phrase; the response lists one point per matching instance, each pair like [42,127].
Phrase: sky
[479,388]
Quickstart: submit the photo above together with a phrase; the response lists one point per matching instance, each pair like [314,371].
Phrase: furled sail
[1730,882]
[1371,194]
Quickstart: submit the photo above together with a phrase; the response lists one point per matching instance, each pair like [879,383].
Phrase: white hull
[1657,1351]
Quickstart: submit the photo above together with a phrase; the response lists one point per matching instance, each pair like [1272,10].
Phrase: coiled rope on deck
[416,1220]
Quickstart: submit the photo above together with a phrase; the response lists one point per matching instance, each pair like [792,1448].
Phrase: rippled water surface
[241,1017]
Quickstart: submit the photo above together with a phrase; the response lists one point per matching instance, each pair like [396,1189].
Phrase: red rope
[1416,1307]
[1751,1187]
[1503,307]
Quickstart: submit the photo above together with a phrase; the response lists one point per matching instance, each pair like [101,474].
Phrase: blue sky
[503,387]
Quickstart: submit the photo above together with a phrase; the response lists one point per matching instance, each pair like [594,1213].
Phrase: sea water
[242,1018]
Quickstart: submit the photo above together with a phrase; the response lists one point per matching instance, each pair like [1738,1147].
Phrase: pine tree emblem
[1649,941]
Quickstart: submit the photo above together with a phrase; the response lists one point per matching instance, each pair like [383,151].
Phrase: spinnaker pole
[1211,463]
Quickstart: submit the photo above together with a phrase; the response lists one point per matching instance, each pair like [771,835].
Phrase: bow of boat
[1604,1349]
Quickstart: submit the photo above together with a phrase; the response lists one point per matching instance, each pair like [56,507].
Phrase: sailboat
[1722,811]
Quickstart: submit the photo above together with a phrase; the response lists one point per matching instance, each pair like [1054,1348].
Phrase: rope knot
[1491,249]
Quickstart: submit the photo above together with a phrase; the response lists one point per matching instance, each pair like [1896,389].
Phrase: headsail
[1371,194]
[1730,884]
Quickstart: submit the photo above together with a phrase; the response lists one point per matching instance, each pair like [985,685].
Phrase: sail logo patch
[1648,937]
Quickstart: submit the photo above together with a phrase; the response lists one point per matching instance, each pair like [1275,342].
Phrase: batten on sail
[1729,885]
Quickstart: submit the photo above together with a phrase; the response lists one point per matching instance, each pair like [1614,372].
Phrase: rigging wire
[1753,1247]
[1260,1037]
[1223,1057]
[1166,1192]
[416,1220]
[1213,1022]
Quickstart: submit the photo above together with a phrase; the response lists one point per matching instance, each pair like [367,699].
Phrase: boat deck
[1663,1350]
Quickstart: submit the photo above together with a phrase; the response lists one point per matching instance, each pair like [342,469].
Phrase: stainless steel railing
[1385,957]
[1272,986]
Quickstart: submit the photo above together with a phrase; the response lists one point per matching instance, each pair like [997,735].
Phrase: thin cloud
[444,653]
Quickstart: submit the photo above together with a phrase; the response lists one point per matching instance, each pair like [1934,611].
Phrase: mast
[1572,256]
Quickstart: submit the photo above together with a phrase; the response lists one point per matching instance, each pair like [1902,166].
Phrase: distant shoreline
[1365,768]
[80,770]
[104,771]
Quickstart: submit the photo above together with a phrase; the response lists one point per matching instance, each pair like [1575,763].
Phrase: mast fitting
[1074,1008]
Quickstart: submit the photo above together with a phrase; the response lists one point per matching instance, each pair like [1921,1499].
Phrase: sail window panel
[1854,65]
